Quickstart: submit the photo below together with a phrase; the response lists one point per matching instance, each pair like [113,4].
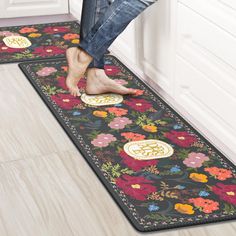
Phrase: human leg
[97,81]
[96,42]
[116,18]
[92,10]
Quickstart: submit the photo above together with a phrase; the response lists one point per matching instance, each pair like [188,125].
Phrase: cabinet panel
[220,12]
[153,44]
[205,82]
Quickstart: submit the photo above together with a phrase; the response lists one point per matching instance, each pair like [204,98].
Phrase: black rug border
[37,59]
[96,170]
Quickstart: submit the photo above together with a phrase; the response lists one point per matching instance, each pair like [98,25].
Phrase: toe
[132,91]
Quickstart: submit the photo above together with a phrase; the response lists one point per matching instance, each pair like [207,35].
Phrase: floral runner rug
[157,167]
[30,42]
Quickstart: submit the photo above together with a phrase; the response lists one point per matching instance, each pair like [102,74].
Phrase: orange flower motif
[34,35]
[219,173]
[184,208]
[117,111]
[65,68]
[70,36]
[133,136]
[150,128]
[100,113]
[138,92]
[27,30]
[205,205]
[198,177]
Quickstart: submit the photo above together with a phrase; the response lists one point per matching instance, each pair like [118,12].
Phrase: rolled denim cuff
[97,64]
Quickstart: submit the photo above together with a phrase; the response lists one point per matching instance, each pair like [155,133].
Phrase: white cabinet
[205,77]
[18,8]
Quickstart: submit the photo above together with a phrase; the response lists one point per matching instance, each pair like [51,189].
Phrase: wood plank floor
[46,187]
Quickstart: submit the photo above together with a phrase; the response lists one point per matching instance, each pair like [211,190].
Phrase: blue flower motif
[177,126]
[175,169]
[76,113]
[180,187]
[108,63]
[118,105]
[57,35]
[203,193]
[153,207]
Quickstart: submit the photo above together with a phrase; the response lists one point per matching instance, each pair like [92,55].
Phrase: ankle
[95,71]
[83,56]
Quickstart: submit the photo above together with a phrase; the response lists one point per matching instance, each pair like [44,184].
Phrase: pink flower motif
[195,160]
[121,81]
[45,71]
[119,122]
[106,137]
[192,163]
[8,33]
[198,156]
[103,140]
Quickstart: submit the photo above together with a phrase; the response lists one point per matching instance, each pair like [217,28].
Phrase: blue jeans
[102,21]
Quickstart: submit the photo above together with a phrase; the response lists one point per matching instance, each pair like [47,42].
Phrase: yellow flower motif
[136,186]
[75,41]
[198,177]
[100,113]
[184,208]
[34,35]
[230,193]
[150,128]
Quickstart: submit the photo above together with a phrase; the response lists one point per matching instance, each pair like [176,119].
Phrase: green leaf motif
[158,217]
[115,171]
[229,209]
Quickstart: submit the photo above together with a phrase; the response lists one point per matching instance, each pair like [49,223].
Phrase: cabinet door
[19,8]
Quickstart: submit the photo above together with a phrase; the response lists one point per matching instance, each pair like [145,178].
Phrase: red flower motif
[225,192]
[111,70]
[66,101]
[136,187]
[48,50]
[140,105]
[135,164]
[62,83]
[56,29]
[6,49]
[181,138]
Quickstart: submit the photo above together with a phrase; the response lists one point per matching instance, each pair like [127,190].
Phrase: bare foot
[78,61]
[98,82]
